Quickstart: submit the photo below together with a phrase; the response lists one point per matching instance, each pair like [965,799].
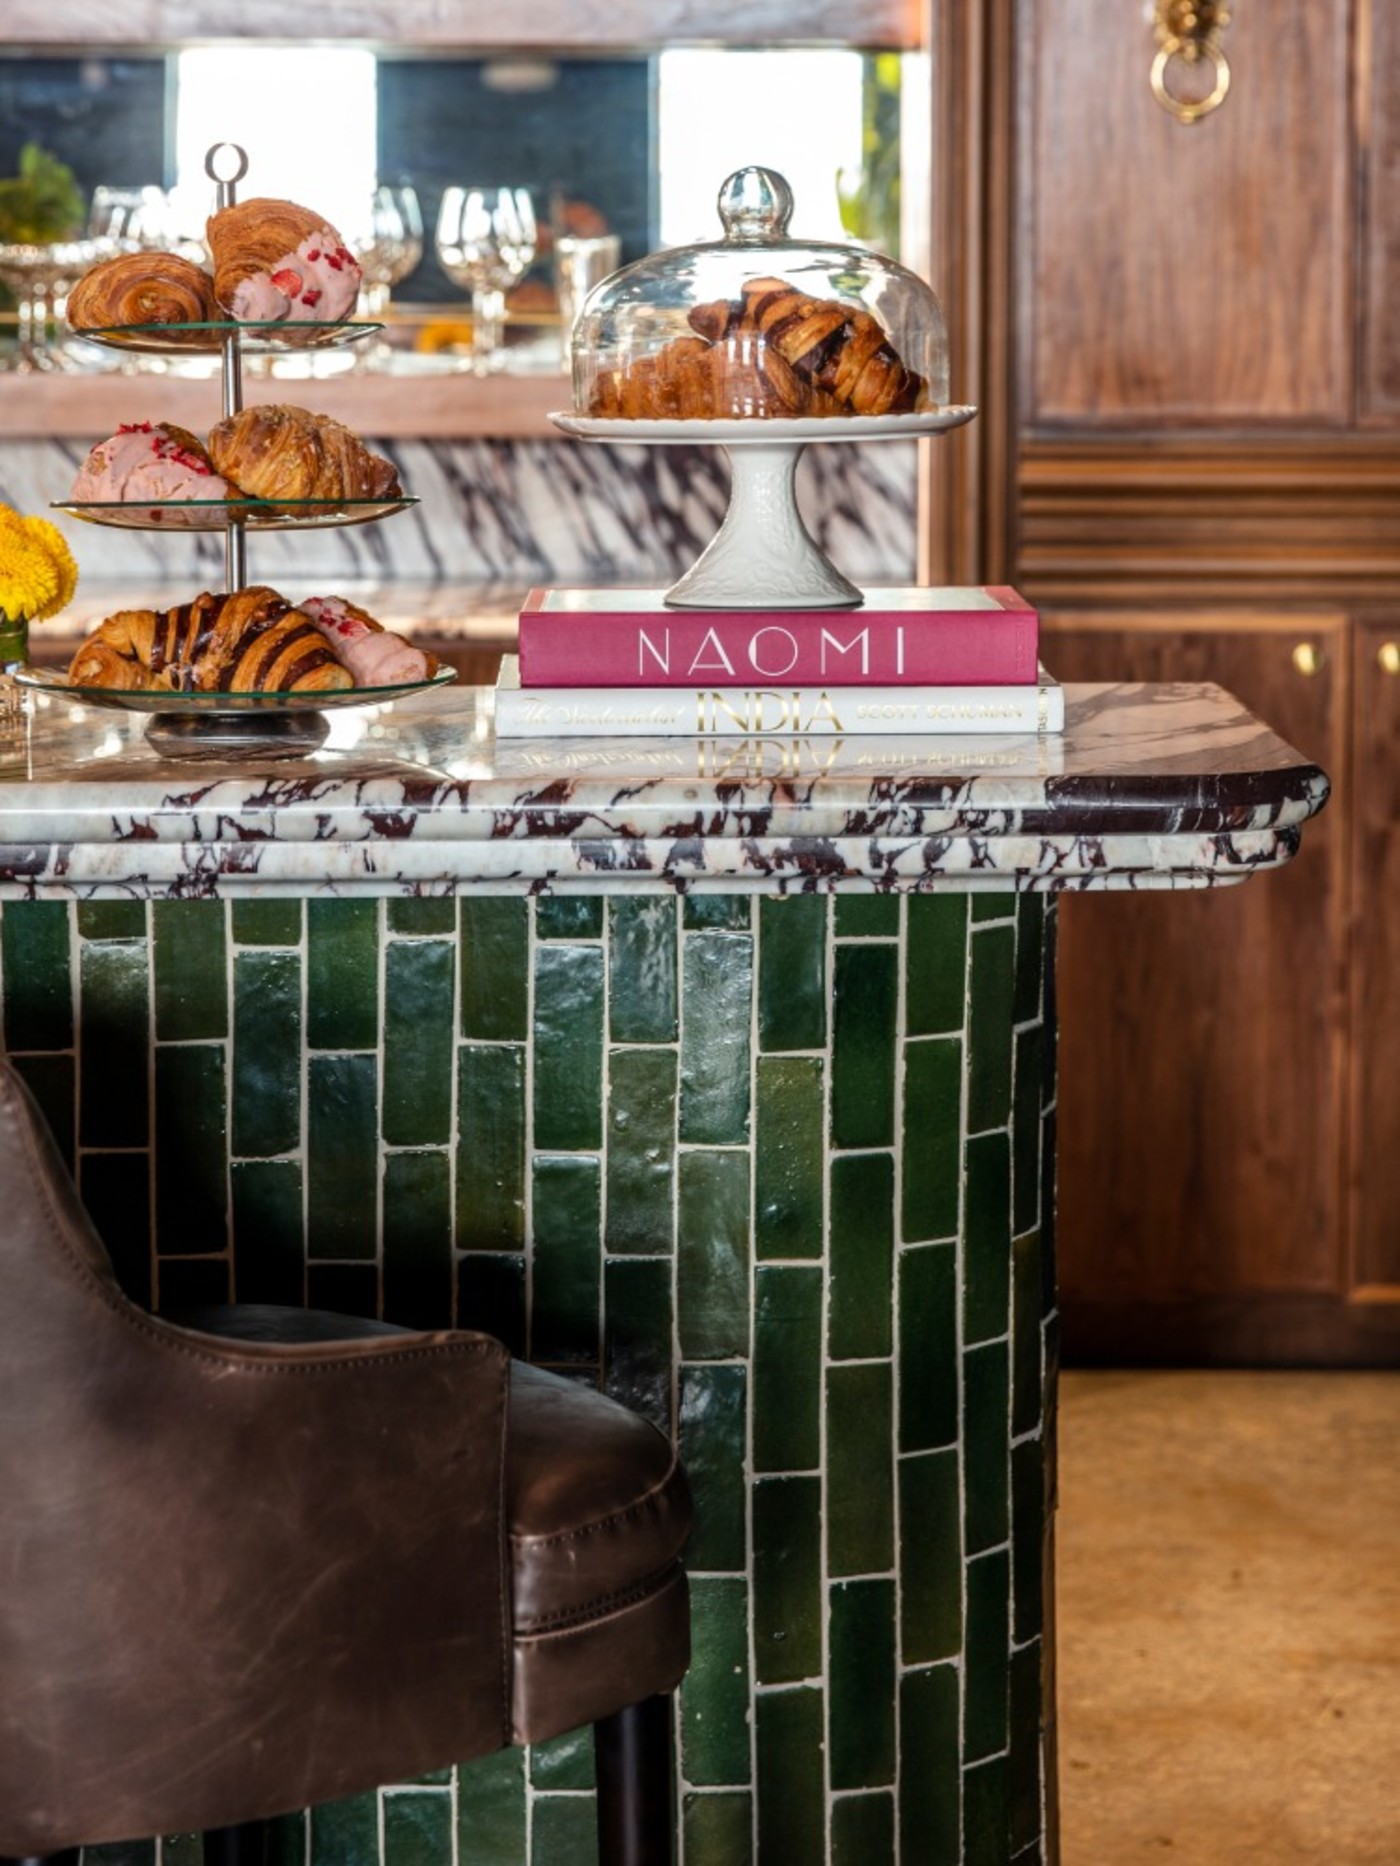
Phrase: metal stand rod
[235,540]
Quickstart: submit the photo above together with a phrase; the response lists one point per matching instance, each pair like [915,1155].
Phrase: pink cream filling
[144,462]
[316,284]
[375,656]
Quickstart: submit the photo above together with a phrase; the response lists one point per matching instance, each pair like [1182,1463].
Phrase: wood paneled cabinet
[1230,1115]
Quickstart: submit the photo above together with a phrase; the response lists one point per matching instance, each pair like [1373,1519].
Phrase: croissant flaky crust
[280,453]
[142,288]
[252,641]
[776,353]
[276,262]
[253,235]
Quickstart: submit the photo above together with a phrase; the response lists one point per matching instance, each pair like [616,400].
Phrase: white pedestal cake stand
[763,556]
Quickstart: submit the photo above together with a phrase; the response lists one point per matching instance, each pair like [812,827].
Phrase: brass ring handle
[1308,658]
[1190,53]
[1388,656]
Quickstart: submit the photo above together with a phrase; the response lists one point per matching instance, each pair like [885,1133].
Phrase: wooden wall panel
[1187,274]
[1380,242]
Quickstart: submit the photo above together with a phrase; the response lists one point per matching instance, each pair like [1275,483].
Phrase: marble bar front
[718,1073]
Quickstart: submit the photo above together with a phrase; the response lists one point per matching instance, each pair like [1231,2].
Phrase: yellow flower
[37,573]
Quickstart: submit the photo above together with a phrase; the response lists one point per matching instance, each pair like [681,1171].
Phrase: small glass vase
[14,652]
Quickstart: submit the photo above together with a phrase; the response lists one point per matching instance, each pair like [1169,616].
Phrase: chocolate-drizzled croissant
[839,348]
[142,288]
[252,641]
[281,453]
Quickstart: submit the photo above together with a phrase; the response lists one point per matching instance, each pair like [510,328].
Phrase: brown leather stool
[278,1557]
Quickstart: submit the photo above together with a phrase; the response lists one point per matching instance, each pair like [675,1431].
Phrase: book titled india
[916,637]
[770,711]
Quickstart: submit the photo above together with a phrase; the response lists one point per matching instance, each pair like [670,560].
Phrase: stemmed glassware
[40,278]
[485,241]
[388,248]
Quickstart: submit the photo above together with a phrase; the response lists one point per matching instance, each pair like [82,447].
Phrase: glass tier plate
[196,705]
[756,431]
[159,339]
[219,514]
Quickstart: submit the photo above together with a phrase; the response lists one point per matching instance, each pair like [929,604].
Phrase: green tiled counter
[772,1160]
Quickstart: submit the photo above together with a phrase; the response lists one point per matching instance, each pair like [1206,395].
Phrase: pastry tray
[219,514]
[255,337]
[206,705]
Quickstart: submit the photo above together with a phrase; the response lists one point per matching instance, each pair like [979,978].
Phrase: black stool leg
[245,1845]
[636,1819]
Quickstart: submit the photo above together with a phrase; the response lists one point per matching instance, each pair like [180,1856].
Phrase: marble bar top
[1149,787]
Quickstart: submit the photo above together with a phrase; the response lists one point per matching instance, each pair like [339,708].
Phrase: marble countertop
[1150,786]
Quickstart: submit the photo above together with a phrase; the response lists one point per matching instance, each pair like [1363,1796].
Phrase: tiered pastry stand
[220,723]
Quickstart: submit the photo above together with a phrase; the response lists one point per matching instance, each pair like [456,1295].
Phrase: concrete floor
[1229,1619]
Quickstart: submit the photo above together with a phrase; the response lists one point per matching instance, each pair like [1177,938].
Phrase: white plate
[758,430]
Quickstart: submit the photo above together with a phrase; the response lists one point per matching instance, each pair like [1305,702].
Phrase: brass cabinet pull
[1388,655]
[1190,30]
[1308,658]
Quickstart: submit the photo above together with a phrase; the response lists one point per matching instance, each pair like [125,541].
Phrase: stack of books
[609,663]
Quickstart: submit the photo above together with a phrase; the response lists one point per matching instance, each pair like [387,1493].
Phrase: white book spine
[758,712]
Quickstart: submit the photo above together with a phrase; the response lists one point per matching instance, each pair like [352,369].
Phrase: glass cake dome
[759,325]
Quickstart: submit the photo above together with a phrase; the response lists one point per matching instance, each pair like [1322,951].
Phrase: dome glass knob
[755,205]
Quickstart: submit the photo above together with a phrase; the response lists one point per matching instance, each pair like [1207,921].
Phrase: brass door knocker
[1190,30]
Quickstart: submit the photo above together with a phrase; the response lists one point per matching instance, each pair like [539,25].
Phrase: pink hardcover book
[915,637]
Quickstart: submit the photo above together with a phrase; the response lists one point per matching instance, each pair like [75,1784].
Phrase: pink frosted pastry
[374,655]
[150,461]
[318,283]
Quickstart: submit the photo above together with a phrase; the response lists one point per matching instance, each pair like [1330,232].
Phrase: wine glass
[388,247]
[486,240]
[131,218]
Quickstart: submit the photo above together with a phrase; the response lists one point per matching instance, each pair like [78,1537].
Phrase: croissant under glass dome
[759,325]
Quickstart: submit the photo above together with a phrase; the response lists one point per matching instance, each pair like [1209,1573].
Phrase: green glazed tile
[563,1830]
[1027,1722]
[1030,1089]
[346,1833]
[417,1249]
[718,1829]
[715,1691]
[53,1082]
[115,1189]
[860,1481]
[642,991]
[35,950]
[867,916]
[267,923]
[787,1580]
[732,911]
[861,1257]
[788,1157]
[928,1348]
[637,1322]
[713,1436]
[111,919]
[987,1239]
[491,1296]
[418,1042]
[787,1368]
[932,1164]
[191,1283]
[115,1060]
[712,1253]
[1028,1538]
[495,967]
[266,1078]
[930,1767]
[192,1194]
[343,1288]
[569,916]
[987,1814]
[931,1566]
[862,1829]
[986,1713]
[1027,1381]
[568,1092]
[121,1853]
[989,1065]
[491,1818]
[863,1046]
[862,1685]
[181,1850]
[342,1170]
[287,1841]
[993,904]
[1030,957]
[717,982]
[792,972]
[417,1827]
[342,975]
[565,1762]
[791,1798]
[566,1205]
[422,914]
[986,1418]
[641,1150]
[269,1243]
[490,1146]
[935,971]
[190,970]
